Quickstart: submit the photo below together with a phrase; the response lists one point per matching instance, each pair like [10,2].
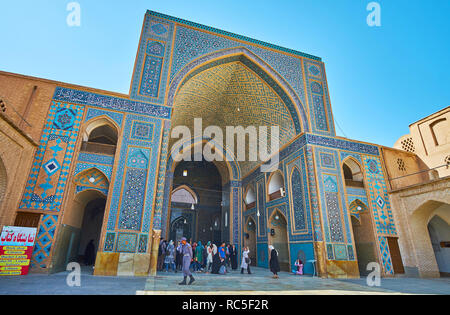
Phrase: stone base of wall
[122,265]
[342,269]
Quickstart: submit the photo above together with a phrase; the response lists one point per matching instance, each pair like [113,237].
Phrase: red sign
[16,248]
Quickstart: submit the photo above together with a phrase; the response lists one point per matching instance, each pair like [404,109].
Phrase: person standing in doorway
[186,251]
[274,264]
[89,254]
[233,257]
[245,261]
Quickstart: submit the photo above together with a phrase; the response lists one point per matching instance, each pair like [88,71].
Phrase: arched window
[100,136]
[357,207]
[440,131]
[275,187]
[104,134]
[184,195]
[91,179]
[250,198]
[353,174]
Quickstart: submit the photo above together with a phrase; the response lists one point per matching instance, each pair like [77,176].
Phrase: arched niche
[278,237]
[353,174]
[275,186]
[100,135]
[184,195]
[250,197]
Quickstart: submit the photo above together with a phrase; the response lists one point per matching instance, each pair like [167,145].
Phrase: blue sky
[380,79]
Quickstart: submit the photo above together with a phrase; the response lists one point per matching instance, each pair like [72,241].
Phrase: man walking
[186,251]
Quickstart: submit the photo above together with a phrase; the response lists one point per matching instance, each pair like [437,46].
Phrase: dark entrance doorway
[198,207]
[91,231]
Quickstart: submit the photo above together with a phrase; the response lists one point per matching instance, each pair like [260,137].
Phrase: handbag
[247,261]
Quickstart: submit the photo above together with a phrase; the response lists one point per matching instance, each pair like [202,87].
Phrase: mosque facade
[79,163]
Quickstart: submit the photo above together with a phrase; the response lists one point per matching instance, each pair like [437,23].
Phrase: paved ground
[259,283]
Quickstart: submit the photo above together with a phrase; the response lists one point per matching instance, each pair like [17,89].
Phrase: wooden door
[396,257]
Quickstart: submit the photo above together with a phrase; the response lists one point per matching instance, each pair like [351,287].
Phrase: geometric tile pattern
[133,200]
[320,108]
[110,102]
[191,44]
[335,217]
[340,252]
[381,208]
[229,88]
[327,160]
[261,209]
[126,243]
[151,75]
[50,170]
[105,169]
[380,204]
[152,62]
[385,255]
[237,215]
[109,242]
[143,240]
[44,241]
[94,112]
[318,237]
[298,201]
[92,178]
[132,193]
[142,131]
[96,158]
[163,182]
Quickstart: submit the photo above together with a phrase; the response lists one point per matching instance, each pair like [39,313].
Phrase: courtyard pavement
[259,283]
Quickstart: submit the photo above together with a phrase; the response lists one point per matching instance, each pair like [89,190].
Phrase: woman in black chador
[233,257]
[89,254]
[216,264]
[274,265]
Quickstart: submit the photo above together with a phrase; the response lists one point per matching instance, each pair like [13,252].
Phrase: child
[299,267]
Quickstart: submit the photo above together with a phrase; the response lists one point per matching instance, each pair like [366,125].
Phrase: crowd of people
[199,258]
[206,258]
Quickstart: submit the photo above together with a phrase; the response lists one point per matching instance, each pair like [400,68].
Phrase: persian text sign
[16,248]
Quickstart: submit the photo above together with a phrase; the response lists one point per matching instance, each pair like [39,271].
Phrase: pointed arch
[258,66]
[180,151]
[357,207]
[275,186]
[250,197]
[104,126]
[250,219]
[91,179]
[353,172]
[185,193]
[280,213]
